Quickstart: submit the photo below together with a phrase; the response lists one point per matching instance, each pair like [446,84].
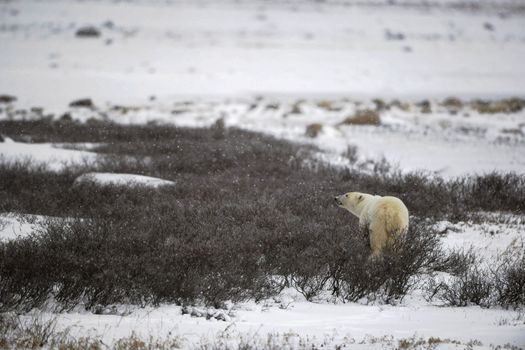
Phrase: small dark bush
[510,283]
[471,287]
[7,99]
[496,192]
[84,102]
[503,285]
[88,32]
[425,105]
[456,262]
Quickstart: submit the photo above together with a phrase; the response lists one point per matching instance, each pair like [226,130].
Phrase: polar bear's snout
[338,201]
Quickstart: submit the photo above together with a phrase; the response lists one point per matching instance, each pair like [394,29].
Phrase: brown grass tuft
[364,117]
[313,130]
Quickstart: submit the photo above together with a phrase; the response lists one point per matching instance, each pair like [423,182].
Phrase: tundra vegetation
[249,215]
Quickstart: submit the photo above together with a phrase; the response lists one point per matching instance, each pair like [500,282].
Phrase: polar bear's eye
[346,195]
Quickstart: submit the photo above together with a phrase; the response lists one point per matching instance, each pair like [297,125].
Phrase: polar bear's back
[389,214]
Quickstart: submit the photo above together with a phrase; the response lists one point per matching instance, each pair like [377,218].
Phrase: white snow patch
[106,179]
[489,241]
[193,48]
[44,155]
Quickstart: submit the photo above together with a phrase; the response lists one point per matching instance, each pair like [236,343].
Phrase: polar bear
[384,218]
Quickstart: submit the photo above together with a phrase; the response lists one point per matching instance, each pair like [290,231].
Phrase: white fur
[384,218]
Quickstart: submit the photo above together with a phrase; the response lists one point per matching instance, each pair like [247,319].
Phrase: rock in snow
[88,32]
[105,179]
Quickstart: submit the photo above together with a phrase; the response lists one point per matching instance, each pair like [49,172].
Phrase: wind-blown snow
[490,241]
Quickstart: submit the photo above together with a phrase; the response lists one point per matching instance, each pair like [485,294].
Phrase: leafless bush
[245,209]
[471,287]
[510,283]
[485,286]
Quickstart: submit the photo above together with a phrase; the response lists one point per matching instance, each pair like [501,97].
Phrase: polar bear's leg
[378,237]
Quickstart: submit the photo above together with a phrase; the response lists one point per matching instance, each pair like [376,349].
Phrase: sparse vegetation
[32,332]
[425,106]
[84,102]
[501,285]
[512,105]
[453,103]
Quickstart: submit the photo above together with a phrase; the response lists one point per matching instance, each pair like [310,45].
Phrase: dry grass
[506,106]
[363,117]
[313,130]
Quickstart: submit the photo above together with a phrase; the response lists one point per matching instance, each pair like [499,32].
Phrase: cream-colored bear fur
[384,218]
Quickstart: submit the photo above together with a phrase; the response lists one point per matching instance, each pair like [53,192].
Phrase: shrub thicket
[246,208]
[502,285]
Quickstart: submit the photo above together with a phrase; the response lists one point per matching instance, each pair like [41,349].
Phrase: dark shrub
[497,192]
[87,32]
[246,208]
[474,286]
[510,283]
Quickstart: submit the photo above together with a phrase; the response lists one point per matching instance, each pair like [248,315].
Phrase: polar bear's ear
[360,198]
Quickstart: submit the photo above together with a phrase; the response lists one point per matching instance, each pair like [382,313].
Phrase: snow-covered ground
[230,48]
[191,63]
[327,324]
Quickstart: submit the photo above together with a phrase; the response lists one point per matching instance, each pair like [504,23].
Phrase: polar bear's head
[352,201]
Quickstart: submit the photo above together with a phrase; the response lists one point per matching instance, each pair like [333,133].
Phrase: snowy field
[226,48]
[298,71]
